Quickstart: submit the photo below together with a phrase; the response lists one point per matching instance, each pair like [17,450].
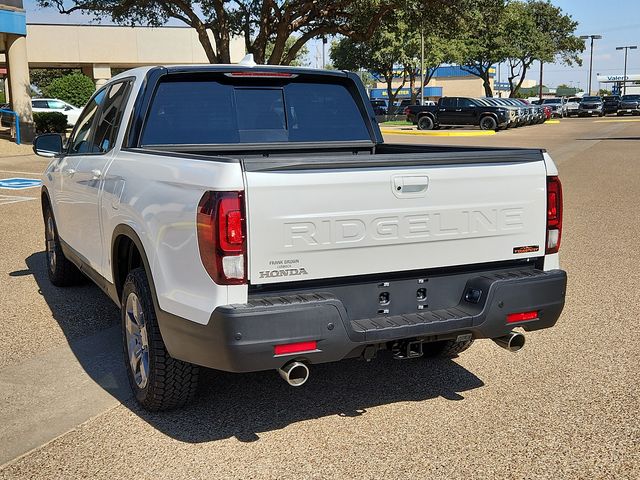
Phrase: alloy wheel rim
[137,340]
[50,237]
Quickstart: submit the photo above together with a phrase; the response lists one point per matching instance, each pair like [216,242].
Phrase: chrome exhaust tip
[295,374]
[513,342]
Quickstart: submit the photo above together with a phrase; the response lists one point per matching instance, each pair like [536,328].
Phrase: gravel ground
[565,407]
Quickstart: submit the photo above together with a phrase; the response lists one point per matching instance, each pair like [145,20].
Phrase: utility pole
[422,65]
[592,37]
[324,42]
[624,81]
[540,83]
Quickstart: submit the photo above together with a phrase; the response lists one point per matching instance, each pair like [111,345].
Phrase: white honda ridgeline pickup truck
[249,217]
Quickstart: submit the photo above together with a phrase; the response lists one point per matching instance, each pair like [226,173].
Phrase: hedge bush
[50,122]
[75,89]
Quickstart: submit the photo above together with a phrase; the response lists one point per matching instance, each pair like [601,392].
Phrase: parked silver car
[558,106]
[572,106]
[591,106]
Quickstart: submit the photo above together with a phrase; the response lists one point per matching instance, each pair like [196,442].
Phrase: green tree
[537,30]
[393,52]
[300,59]
[42,77]
[260,22]
[438,25]
[482,43]
[382,54]
[75,89]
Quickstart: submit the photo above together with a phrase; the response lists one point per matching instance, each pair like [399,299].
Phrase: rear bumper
[241,338]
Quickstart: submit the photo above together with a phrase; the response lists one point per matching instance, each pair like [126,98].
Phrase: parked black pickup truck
[458,111]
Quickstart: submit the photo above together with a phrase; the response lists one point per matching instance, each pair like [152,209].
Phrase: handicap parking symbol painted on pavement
[19,183]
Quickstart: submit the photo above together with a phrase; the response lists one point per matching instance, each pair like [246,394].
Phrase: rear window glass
[212,112]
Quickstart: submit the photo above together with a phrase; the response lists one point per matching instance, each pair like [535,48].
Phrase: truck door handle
[458,110]
[68,172]
[96,174]
[410,185]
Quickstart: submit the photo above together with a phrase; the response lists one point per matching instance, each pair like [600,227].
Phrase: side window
[39,104]
[110,117]
[448,102]
[57,104]
[465,103]
[80,142]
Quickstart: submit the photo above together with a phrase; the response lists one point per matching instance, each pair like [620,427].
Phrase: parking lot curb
[431,133]
[551,122]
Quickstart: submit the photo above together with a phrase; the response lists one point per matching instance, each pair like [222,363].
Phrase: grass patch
[397,123]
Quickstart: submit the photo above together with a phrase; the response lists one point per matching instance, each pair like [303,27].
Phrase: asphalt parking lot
[565,407]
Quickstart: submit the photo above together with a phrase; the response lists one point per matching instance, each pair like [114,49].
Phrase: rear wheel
[488,123]
[425,123]
[62,272]
[445,348]
[159,382]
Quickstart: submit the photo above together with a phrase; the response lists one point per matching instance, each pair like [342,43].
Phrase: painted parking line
[432,133]
[14,172]
[9,199]
[616,120]
[19,183]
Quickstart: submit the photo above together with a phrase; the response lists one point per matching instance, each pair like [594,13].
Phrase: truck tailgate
[394,213]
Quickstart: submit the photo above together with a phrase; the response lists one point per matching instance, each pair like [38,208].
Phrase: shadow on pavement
[242,406]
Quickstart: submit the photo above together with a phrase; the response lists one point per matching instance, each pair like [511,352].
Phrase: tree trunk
[391,96]
[412,87]
[488,92]
[515,90]
[205,41]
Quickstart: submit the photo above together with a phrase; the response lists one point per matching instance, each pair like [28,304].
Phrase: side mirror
[48,145]
[68,107]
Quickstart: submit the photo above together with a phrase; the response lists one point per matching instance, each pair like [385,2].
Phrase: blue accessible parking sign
[19,183]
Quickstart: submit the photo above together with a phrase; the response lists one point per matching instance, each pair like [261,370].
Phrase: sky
[618,21]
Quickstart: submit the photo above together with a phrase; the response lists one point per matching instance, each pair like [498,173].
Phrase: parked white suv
[55,105]
[249,218]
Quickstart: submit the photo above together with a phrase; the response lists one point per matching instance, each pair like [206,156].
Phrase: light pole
[422,65]
[624,81]
[592,37]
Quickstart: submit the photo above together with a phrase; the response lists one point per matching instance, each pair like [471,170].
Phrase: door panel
[90,173]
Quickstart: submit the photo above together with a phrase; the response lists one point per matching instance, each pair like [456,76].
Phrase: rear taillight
[288,348]
[406,111]
[521,316]
[554,214]
[222,236]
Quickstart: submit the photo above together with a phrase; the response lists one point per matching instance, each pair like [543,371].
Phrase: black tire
[445,348]
[169,383]
[62,272]
[425,123]
[488,123]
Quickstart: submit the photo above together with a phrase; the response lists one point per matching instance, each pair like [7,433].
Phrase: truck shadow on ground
[242,406]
